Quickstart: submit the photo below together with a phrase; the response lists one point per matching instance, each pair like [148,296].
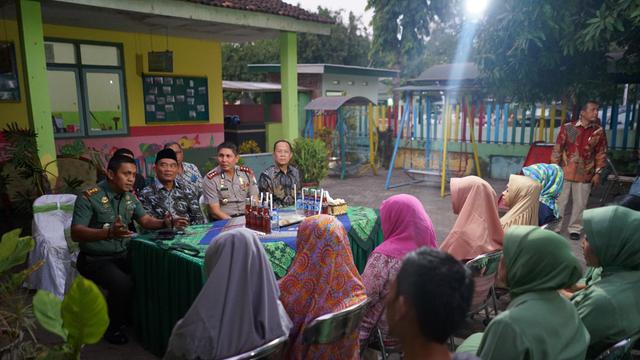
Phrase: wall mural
[145,148]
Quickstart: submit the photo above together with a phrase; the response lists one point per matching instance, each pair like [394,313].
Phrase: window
[350,83]
[335,82]
[86,88]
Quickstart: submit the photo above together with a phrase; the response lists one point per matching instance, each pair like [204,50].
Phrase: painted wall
[358,88]
[191,57]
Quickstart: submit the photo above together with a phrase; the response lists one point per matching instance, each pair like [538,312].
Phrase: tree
[545,49]
[347,44]
[401,29]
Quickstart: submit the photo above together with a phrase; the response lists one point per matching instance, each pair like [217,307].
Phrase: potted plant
[310,157]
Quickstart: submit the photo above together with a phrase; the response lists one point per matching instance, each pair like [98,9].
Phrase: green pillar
[289,81]
[37,89]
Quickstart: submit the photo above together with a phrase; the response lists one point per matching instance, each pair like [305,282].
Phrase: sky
[357,6]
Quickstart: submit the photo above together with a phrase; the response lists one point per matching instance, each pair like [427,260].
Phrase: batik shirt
[181,200]
[580,151]
[191,176]
[280,184]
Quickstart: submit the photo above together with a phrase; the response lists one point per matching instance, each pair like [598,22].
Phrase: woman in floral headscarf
[551,179]
[322,279]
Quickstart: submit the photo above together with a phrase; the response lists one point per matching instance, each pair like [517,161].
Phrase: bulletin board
[175,98]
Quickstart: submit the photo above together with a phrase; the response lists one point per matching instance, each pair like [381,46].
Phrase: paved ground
[366,191]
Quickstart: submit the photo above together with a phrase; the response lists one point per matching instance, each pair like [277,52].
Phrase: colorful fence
[509,123]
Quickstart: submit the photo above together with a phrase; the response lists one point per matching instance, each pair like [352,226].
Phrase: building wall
[191,57]
[370,90]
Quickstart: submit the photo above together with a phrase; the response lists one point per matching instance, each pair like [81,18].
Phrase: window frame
[83,96]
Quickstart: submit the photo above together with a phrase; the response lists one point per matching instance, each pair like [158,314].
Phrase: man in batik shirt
[581,152]
[279,178]
[166,195]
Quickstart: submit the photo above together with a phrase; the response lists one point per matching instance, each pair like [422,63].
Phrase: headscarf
[551,177]
[523,202]
[477,230]
[322,279]
[538,260]
[405,226]
[613,233]
[238,309]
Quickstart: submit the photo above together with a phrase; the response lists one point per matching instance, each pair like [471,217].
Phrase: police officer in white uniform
[226,187]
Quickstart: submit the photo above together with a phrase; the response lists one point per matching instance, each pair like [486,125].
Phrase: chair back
[621,350]
[618,351]
[204,207]
[270,351]
[484,269]
[52,215]
[335,326]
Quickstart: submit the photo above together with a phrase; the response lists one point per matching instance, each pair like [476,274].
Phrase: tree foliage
[401,29]
[545,49]
[347,44]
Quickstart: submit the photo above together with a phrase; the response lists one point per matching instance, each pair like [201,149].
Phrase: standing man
[279,179]
[188,173]
[169,196]
[581,152]
[99,223]
[226,187]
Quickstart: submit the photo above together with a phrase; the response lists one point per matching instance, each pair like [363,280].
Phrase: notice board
[172,98]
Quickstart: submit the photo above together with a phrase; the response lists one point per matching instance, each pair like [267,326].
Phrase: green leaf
[14,249]
[46,307]
[84,313]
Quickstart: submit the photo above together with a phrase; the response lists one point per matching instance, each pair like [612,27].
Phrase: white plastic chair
[204,207]
[52,215]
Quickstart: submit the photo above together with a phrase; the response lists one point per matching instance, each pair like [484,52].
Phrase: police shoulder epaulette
[92,191]
[246,169]
[211,174]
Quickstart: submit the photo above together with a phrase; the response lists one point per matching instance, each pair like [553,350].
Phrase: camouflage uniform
[229,193]
[181,201]
[280,184]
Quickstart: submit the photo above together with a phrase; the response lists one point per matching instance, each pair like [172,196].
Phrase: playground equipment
[349,126]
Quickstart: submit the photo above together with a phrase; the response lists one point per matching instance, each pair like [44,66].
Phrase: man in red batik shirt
[581,151]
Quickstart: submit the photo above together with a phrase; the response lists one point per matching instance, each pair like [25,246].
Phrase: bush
[310,157]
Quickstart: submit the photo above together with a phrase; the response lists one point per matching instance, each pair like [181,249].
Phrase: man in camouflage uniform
[279,179]
[226,187]
[168,195]
[99,225]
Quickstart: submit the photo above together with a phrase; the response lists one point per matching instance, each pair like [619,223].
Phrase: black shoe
[574,236]
[116,337]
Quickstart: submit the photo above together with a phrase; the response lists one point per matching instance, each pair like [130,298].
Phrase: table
[168,280]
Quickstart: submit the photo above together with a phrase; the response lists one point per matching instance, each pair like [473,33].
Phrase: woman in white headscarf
[238,309]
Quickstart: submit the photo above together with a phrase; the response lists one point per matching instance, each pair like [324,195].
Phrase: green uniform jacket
[536,325]
[610,306]
[99,206]
[539,323]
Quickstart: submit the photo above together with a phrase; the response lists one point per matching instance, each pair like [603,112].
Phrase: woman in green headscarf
[610,306]
[538,323]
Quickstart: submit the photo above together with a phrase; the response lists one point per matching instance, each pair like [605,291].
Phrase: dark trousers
[112,273]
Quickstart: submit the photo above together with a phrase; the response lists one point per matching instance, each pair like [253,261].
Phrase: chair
[615,180]
[335,326]
[484,269]
[621,350]
[269,351]
[52,216]
[377,344]
[204,207]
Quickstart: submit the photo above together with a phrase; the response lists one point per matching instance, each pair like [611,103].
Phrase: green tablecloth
[167,281]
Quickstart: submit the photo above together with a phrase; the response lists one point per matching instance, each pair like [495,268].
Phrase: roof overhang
[253,86]
[335,102]
[327,69]
[174,18]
